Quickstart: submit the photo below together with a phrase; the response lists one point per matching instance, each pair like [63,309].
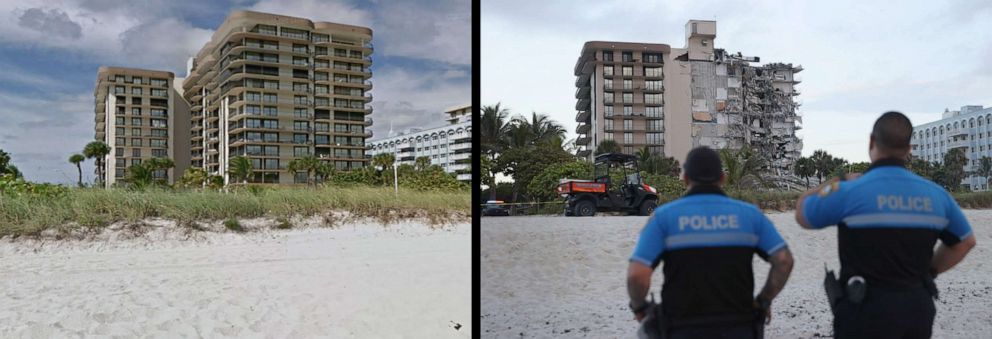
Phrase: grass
[233,225]
[88,207]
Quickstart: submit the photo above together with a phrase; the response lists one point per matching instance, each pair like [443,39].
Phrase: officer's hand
[639,316]
[767,311]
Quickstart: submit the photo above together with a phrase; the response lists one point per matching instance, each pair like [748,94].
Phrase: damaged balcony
[582,116]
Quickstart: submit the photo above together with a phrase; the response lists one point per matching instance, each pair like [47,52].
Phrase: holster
[833,288]
[931,286]
[654,325]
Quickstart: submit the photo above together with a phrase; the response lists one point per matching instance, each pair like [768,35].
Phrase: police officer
[707,242]
[888,221]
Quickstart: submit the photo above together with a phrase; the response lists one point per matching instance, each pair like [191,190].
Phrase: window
[253,109]
[136,80]
[135,162]
[119,78]
[270,98]
[135,101]
[119,151]
[608,70]
[608,85]
[299,87]
[654,85]
[608,126]
[628,138]
[628,124]
[627,56]
[652,71]
[158,112]
[653,111]
[654,125]
[136,90]
[608,111]
[159,123]
[301,125]
[317,37]
[300,100]
[608,97]
[136,111]
[300,112]
[119,120]
[297,48]
[322,76]
[135,132]
[628,97]
[159,92]
[628,84]
[652,57]
[159,82]
[607,55]
[295,33]
[608,136]
[253,96]
[119,141]
[265,29]
[321,89]
[136,142]
[119,130]
[119,90]
[270,111]
[628,110]
[161,133]
[653,138]
[136,121]
[628,71]
[136,152]
[301,151]
[654,98]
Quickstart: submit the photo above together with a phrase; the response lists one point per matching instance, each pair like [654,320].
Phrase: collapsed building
[673,99]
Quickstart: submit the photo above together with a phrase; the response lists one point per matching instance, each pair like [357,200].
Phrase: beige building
[448,146]
[672,99]
[275,88]
[140,115]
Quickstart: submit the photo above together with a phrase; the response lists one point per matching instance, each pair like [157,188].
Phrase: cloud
[44,139]
[442,30]
[408,97]
[52,21]
[166,42]
[331,11]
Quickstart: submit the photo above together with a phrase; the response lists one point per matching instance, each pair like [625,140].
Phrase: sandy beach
[359,280]
[565,277]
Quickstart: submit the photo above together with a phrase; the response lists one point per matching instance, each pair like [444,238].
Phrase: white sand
[566,277]
[357,281]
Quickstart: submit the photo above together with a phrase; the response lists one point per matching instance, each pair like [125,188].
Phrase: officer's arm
[956,239]
[947,256]
[638,283]
[822,206]
[800,203]
[778,274]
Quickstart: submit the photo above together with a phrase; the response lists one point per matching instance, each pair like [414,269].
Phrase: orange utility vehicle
[586,197]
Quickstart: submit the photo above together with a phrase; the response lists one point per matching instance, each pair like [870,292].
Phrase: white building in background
[448,146]
[969,128]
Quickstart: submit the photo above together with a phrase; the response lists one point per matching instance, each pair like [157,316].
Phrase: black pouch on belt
[833,289]
[855,289]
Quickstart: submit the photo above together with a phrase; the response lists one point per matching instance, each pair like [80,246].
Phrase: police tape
[521,203]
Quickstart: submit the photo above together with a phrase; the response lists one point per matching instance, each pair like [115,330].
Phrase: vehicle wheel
[585,208]
[647,207]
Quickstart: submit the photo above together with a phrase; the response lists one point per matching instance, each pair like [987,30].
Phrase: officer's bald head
[891,134]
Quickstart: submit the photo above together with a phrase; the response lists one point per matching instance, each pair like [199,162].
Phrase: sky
[51,51]
[860,59]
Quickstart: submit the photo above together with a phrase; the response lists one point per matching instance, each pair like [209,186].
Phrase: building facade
[275,88]
[969,129]
[140,115]
[673,99]
[448,146]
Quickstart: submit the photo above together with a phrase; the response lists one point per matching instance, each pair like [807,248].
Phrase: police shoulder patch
[826,190]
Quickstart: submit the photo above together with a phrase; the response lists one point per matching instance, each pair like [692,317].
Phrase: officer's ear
[723,178]
[685,180]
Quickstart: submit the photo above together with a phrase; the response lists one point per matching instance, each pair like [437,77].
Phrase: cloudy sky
[860,59]
[52,49]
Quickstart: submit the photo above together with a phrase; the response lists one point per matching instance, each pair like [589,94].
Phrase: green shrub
[233,225]
[283,223]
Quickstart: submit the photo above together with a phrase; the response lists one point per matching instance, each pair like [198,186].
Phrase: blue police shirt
[888,221]
[707,242]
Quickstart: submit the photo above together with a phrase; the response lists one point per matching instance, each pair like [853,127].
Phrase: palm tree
[383,162]
[309,164]
[159,164]
[77,159]
[494,127]
[539,129]
[985,168]
[240,169]
[805,168]
[324,171]
[742,167]
[97,150]
[139,175]
[607,146]
[4,162]
[194,177]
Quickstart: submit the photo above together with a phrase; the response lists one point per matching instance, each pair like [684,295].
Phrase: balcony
[582,129]
[583,153]
[582,116]
[368,134]
[582,92]
[583,140]
[368,121]
[958,144]
[959,131]
[582,104]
